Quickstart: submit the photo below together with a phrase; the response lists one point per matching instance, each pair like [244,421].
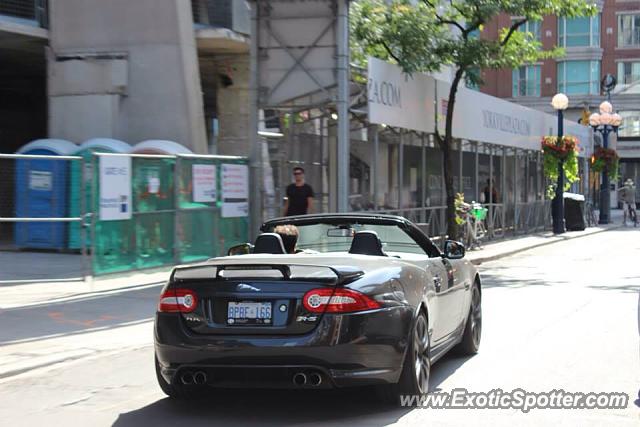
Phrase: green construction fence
[167,226]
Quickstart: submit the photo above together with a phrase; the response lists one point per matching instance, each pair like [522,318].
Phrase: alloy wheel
[421,354]
[476,316]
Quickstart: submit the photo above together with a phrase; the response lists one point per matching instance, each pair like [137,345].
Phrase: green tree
[427,35]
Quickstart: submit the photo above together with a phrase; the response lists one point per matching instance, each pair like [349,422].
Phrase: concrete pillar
[125,69]
[233,105]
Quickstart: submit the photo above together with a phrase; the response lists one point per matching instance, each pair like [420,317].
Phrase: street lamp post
[560,102]
[605,122]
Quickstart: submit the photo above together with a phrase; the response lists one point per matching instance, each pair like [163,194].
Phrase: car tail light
[178,300]
[329,300]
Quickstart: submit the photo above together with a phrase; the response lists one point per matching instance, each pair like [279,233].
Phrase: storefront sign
[115,188]
[408,102]
[628,149]
[204,183]
[485,118]
[397,99]
[235,190]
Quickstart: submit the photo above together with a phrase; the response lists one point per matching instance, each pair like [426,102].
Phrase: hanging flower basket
[553,153]
[605,159]
[568,146]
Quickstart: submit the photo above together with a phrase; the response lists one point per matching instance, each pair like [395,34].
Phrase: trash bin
[574,211]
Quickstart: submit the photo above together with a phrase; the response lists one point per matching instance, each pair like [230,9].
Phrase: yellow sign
[584,117]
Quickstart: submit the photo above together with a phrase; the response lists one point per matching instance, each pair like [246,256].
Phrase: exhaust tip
[199,378]
[299,379]
[186,378]
[315,379]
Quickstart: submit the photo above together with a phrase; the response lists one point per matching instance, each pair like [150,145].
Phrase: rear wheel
[416,370]
[473,329]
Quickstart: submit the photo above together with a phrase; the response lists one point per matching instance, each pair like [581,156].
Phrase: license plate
[249,313]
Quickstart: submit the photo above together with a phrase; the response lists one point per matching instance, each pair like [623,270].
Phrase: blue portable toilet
[42,192]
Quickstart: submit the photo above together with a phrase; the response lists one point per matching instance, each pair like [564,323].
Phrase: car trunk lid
[264,299]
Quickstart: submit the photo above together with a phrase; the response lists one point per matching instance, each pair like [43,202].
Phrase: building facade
[608,43]
[130,70]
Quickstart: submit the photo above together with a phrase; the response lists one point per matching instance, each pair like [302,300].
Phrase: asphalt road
[564,316]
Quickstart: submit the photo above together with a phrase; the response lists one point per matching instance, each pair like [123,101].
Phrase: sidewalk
[29,294]
[510,246]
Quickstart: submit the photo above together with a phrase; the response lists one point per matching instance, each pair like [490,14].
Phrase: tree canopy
[427,35]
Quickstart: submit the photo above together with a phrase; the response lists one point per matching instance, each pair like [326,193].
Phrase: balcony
[25,12]
[230,14]
[221,26]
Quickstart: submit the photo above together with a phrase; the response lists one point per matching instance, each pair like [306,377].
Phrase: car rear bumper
[346,350]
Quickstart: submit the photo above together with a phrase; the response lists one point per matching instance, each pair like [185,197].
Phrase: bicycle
[633,215]
[473,227]
[590,214]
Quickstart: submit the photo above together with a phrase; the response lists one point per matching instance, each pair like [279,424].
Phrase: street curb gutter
[555,239]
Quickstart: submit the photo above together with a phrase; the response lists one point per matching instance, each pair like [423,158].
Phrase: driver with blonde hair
[289,235]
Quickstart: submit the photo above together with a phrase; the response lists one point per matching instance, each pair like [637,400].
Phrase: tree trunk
[447,160]
[447,163]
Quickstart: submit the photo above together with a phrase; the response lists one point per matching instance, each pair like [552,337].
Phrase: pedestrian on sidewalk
[299,195]
[490,192]
[628,199]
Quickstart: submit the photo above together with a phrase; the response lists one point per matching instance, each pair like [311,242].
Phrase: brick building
[608,43]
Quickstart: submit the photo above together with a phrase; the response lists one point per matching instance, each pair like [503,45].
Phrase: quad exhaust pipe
[315,379]
[186,378]
[301,379]
[197,378]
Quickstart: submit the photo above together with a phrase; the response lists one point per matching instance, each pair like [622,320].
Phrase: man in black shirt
[299,195]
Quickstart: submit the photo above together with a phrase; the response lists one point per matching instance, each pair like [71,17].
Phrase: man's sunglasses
[298,173]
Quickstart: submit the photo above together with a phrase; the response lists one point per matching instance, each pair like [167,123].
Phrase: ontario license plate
[249,313]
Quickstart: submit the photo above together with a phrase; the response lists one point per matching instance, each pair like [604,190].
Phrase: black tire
[470,343]
[174,391]
[416,369]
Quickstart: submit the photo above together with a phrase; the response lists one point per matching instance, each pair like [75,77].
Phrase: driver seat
[366,243]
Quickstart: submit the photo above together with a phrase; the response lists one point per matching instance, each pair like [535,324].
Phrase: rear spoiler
[344,273]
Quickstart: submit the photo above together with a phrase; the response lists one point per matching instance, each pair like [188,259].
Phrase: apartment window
[628,72]
[629,30]
[630,127]
[579,77]
[526,81]
[579,32]
[532,27]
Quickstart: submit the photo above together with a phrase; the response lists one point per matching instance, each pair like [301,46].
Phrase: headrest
[269,243]
[366,243]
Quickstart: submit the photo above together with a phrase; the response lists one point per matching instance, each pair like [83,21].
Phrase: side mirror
[453,249]
[242,249]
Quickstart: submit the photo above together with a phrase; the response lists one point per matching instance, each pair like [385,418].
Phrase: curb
[62,360]
[555,239]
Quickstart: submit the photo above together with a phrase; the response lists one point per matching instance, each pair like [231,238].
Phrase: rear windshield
[326,237]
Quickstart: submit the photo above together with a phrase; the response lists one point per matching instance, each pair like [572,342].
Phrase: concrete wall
[125,69]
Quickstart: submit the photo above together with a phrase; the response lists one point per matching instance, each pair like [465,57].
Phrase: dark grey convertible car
[367,299]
